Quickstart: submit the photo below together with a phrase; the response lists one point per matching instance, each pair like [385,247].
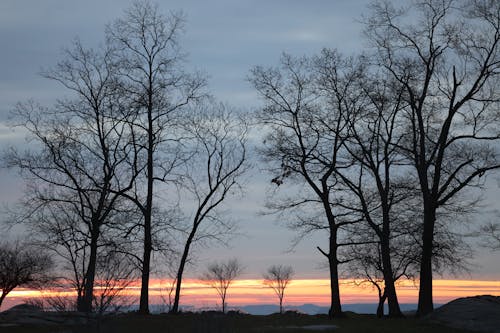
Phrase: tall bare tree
[214,172]
[277,278]
[378,178]
[445,57]
[220,276]
[80,156]
[306,129]
[150,63]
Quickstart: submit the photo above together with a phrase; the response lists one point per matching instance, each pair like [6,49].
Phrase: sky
[300,291]
[223,38]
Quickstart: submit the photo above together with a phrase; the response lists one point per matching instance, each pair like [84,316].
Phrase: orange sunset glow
[300,291]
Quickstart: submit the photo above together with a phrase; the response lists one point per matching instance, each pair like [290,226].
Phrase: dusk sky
[225,39]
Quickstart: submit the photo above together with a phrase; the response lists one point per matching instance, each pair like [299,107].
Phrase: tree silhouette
[383,189]
[277,278]
[78,165]
[149,61]
[23,265]
[306,127]
[446,60]
[214,170]
[220,276]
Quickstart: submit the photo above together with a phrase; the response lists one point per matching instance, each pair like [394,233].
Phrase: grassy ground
[218,323]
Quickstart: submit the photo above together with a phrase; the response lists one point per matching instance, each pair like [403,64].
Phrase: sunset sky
[225,39]
[300,291]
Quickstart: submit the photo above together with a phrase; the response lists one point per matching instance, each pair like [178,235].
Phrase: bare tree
[167,295]
[378,178]
[214,170]
[23,265]
[59,302]
[150,64]
[115,272]
[62,232]
[306,128]
[366,268]
[367,265]
[79,163]
[277,278]
[220,276]
[446,59]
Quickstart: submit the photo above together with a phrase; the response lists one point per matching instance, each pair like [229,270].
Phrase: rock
[27,314]
[477,313]
[25,307]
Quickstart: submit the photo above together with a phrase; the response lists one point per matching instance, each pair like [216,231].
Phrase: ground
[213,322]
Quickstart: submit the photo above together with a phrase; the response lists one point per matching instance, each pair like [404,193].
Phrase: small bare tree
[22,265]
[220,276]
[277,278]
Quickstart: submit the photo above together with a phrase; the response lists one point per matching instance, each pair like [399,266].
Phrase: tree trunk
[148,245]
[2,297]
[180,272]
[392,298]
[85,302]
[79,296]
[390,289]
[146,263]
[175,306]
[425,305]
[335,307]
[281,306]
[380,307]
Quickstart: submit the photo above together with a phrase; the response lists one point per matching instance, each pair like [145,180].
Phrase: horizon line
[300,291]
